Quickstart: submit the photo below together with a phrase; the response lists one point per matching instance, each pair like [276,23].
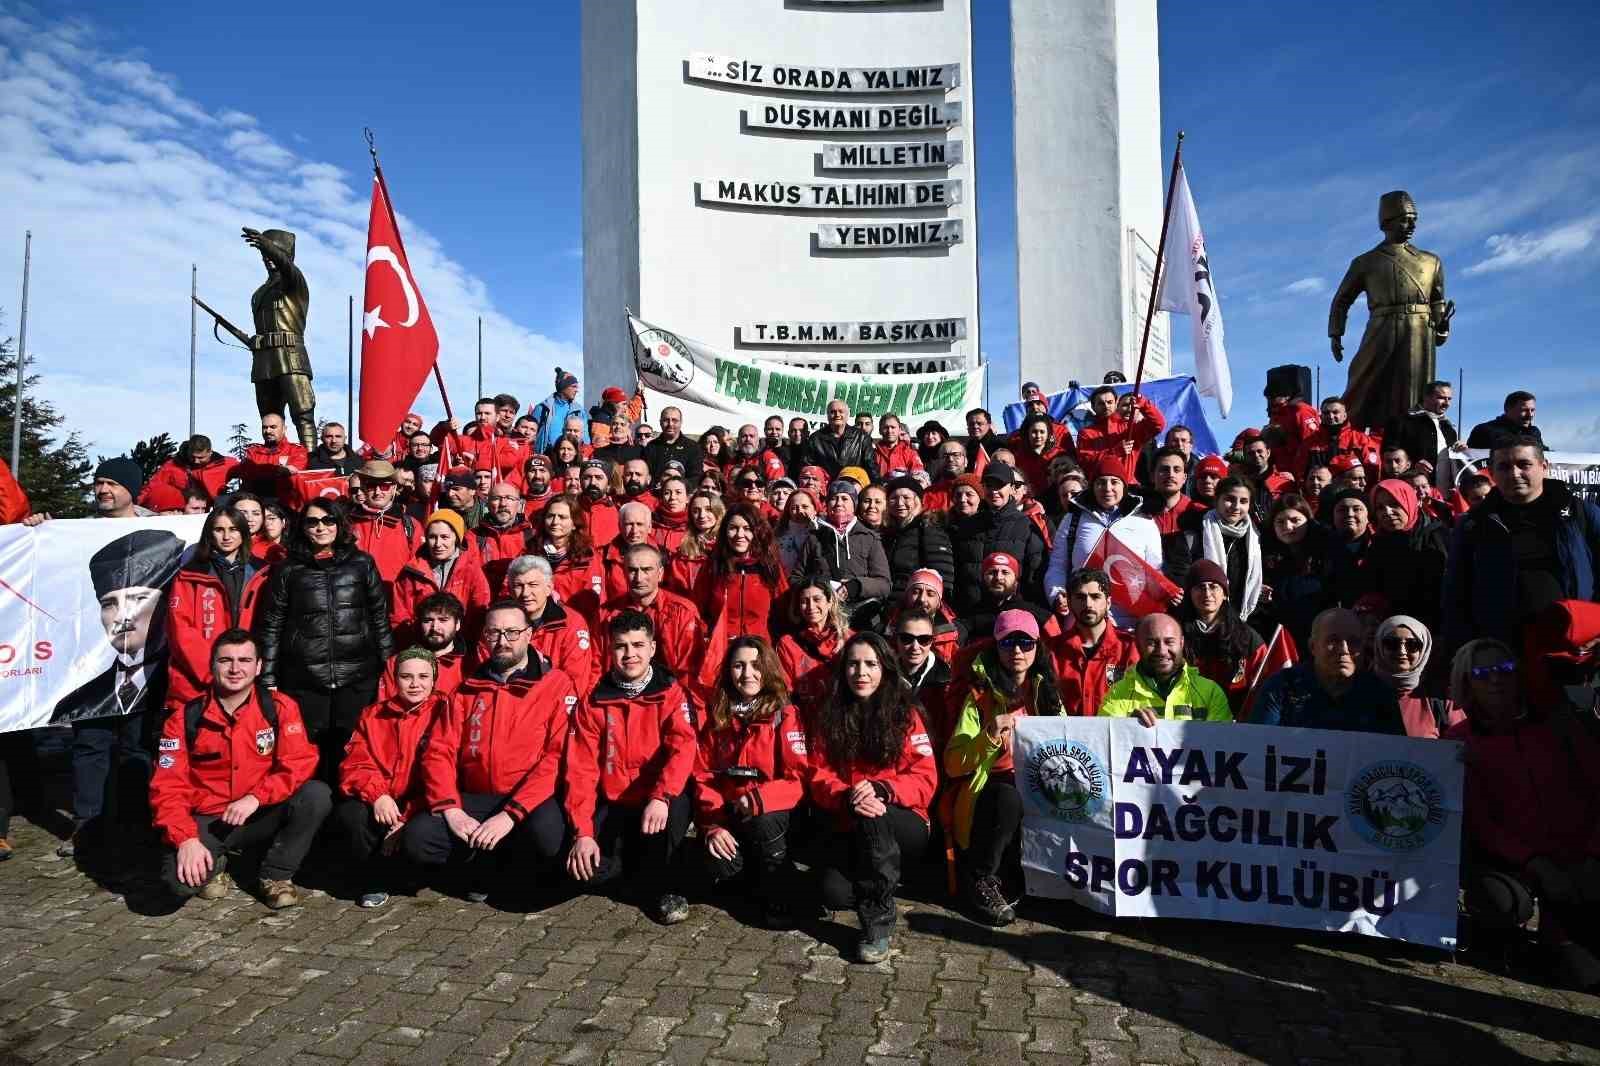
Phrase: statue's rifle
[217,320]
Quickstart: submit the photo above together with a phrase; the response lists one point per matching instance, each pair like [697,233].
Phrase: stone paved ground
[90,975]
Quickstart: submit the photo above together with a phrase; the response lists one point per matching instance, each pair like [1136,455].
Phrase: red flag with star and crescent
[1136,586]
[398,343]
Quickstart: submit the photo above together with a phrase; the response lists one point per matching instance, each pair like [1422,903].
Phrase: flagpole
[388,205]
[22,358]
[194,291]
[350,364]
[480,355]
[1161,248]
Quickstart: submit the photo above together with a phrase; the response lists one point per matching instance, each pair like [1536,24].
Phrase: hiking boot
[990,902]
[217,887]
[280,894]
[6,849]
[372,900]
[873,949]
[671,909]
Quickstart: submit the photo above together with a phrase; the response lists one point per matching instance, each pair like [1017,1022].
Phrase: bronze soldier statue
[280,368]
[1407,318]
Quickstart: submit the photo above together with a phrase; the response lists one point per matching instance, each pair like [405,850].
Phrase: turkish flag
[308,485]
[1280,653]
[398,342]
[1136,587]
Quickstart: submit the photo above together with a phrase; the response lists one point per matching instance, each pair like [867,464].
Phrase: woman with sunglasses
[1400,659]
[1011,680]
[807,652]
[749,776]
[873,773]
[1530,808]
[324,629]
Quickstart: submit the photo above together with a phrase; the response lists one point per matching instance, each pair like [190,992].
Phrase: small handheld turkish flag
[398,343]
[1136,587]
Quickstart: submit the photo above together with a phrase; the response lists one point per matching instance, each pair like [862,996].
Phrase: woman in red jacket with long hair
[743,580]
[873,771]
[214,591]
[694,551]
[565,542]
[671,519]
[380,778]
[808,650]
[749,776]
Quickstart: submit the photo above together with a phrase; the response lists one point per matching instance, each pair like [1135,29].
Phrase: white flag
[1187,288]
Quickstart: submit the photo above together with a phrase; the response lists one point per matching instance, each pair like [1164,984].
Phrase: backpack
[196,708]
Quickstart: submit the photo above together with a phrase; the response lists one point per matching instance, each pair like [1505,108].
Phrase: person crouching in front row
[749,776]
[234,771]
[629,758]
[381,775]
[491,765]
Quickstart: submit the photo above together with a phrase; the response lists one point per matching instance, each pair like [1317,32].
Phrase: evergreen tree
[153,453]
[239,439]
[55,474]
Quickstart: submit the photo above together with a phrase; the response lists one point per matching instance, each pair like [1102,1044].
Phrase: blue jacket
[1295,698]
[551,414]
[1480,582]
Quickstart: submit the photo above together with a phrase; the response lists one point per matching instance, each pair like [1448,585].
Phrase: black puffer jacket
[834,453]
[325,623]
[921,544]
[1007,530]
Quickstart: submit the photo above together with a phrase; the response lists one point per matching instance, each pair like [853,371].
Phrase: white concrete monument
[791,180]
[1089,183]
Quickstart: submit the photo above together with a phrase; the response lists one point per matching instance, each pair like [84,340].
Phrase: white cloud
[1305,287]
[125,182]
[1511,250]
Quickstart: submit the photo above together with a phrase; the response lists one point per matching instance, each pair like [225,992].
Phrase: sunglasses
[1410,644]
[908,639]
[1484,673]
[320,520]
[1017,643]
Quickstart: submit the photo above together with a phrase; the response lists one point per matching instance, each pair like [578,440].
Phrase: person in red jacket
[493,758]
[678,634]
[566,544]
[560,634]
[1091,655]
[234,771]
[750,770]
[380,777]
[14,505]
[194,465]
[1336,437]
[1530,812]
[894,452]
[382,529]
[214,590]
[1293,423]
[743,580]
[807,651]
[502,535]
[439,620]
[441,566]
[634,526]
[1036,450]
[1119,428]
[873,771]
[266,466]
[670,523]
[597,497]
[626,778]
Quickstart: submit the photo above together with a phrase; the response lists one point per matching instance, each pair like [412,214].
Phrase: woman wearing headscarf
[1228,538]
[1407,559]
[1400,659]
[1531,808]
[1215,639]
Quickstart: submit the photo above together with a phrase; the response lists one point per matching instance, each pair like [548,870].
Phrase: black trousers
[286,830]
[110,759]
[862,867]
[996,823]
[18,775]
[427,841]
[646,858]
[330,716]
[763,856]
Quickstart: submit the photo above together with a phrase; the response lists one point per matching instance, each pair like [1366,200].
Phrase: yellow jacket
[1193,698]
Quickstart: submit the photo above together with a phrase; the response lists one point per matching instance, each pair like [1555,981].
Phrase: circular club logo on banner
[1069,778]
[663,361]
[1397,806]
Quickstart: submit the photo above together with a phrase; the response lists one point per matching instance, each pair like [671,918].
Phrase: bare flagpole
[22,354]
[480,355]
[194,291]
[350,365]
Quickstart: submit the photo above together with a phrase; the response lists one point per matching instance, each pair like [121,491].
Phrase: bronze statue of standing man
[280,368]
[1408,317]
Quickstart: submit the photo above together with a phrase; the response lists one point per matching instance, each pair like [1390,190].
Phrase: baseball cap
[1015,621]
[999,473]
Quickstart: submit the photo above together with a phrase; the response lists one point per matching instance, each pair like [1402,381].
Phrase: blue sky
[136,138]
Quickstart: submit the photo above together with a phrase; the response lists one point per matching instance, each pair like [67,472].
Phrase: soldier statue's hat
[282,239]
[1394,204]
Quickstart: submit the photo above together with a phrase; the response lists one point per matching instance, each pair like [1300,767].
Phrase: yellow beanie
[451,519]
[856,474]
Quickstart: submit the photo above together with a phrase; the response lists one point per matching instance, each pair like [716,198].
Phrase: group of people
[565,648]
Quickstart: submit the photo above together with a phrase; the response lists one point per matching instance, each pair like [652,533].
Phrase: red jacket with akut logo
[233,756]
[197,613]
[561,635]
[1083,679]
[391,541]
[382,758]
[630,750]
[774,747]
[911,778]
[501,739]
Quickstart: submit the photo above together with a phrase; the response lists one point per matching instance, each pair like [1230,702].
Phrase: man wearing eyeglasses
[1334,690]
[1163,686]
[492,763]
